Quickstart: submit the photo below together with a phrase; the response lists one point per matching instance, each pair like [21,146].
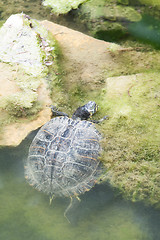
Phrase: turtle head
[91,107]
[85,111]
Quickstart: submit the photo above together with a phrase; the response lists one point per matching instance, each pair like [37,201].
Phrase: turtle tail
[70,206]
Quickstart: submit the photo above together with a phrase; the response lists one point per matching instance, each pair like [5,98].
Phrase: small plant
[22,104]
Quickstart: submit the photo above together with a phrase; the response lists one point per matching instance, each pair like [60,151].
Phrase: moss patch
[150,2]
[22,104]
[133,60]
[131,97]
[131,138]
[131,135]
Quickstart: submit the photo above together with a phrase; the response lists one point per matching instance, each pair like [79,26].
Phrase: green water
[26,214]
[101,215]
[34,9]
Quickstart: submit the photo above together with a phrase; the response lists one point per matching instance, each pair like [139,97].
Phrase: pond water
[34,9]
[26,213]
[102,214]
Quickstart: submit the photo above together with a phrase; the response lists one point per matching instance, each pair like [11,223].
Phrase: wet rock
[25,95]
[12,129]
[25,53]
[125,84]
[24,41]
[85,58]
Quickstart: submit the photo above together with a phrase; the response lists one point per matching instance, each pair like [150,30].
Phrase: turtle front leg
[56,113]
[100,120]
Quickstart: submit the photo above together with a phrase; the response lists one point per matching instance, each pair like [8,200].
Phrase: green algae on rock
[62,6]
[28,54]
[27,45]
[124,82]
[132,135]
[23,41]
[103,18]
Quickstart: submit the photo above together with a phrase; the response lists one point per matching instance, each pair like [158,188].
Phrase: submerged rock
[107,20]
[62,6]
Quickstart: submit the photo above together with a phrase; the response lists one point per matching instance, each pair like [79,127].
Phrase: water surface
[35,10]
[102,214]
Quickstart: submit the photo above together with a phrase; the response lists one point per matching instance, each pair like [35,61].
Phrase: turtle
[63,157]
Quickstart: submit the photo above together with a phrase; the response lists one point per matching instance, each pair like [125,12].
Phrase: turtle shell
[63,157]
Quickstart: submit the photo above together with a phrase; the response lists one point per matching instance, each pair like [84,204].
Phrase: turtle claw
[104,118]
[100,120]
[56,113]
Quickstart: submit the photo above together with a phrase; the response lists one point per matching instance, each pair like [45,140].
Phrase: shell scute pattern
[63,157]
[38,147]
[55,156]
[60,144]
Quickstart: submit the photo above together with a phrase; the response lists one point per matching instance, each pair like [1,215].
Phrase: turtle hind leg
[52,197]
[78,198]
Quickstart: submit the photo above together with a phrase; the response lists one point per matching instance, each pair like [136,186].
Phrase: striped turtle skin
[63,157]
